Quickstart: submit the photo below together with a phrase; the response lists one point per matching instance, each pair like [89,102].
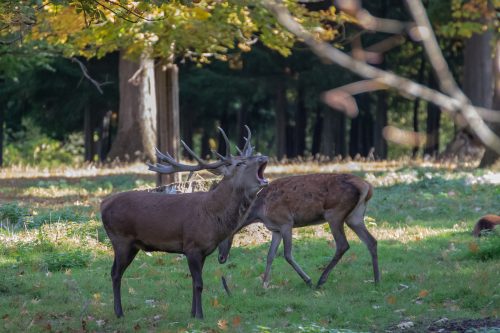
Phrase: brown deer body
[486,223]
[189,223]
[299,201]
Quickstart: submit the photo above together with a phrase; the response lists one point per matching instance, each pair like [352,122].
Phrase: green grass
[55,274]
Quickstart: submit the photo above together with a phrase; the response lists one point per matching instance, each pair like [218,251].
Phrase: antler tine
[172,165]
[167,158]
[160,168]
[248,149]
[219,156]
[193,154]
[161,156]
[239,151]
[228,145]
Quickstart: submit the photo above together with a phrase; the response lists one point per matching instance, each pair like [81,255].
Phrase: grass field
[55,260]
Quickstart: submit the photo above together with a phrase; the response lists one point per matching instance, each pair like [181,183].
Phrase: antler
[247,150]
[173,166]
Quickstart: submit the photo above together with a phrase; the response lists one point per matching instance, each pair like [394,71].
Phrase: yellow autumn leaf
[201,14]
[244,47]
[222,324]
[391,299]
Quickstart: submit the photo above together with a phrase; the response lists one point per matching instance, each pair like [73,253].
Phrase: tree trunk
[167,104]
[300,120]
[317,132]
[328,133]
[367,128]
[187,128]
[88,130]
[1,134]
[104,135]
[379,142]
[136,135]
[280,118]
[416,103]
[205,144]
[478,87]
[224,124]
[361,134]
[433,123]
[241,121]
[416,129]
[340,134]
[490,156]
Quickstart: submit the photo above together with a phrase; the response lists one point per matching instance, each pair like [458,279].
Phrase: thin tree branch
[400,84]
[88,77]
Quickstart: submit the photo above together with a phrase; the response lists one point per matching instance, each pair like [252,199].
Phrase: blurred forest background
[52,113]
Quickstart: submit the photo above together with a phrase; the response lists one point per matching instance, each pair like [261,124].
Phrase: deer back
[305,198]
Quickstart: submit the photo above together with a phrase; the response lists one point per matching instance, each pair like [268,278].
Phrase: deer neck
[226,205]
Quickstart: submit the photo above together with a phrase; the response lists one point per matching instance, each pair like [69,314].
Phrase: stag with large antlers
[300,201]
[188,223]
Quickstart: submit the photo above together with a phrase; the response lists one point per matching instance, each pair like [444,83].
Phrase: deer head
[246,171]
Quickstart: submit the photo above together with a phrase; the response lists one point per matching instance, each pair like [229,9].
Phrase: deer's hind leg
[355,221]
[125,252]
[336,221]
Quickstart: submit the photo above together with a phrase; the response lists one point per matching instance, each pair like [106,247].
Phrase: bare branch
[400,84]
[403,137]
[88,77]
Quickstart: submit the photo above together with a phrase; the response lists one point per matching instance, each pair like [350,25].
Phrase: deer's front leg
[195,262]
[275,242]
[286,232]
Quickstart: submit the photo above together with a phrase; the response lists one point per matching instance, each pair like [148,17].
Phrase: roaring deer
[188,223]
[298,201]
[486,223]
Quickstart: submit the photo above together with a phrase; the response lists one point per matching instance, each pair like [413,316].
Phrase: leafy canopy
[196,30]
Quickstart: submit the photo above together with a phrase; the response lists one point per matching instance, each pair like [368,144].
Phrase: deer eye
[240,163]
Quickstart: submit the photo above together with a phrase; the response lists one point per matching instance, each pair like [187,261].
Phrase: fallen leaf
[391,299]
[236,321]
[473,247]
[423,293]
[97,296]
[222,324]
[215,302]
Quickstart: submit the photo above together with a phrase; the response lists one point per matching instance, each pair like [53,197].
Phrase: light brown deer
[298,201]
[485,224]
[188,223]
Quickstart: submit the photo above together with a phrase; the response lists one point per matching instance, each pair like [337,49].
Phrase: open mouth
[260,174]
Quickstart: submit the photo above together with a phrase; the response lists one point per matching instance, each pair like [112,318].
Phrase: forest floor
[55,260]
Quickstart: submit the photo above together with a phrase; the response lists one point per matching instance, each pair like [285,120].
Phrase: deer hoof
[320,283]
[265,285]
[309,283]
